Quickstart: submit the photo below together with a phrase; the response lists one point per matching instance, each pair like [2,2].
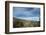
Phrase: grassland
[17,23]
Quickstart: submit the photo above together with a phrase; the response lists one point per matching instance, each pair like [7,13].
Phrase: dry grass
[25,23]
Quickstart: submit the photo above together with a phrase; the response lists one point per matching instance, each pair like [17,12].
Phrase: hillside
[25,23]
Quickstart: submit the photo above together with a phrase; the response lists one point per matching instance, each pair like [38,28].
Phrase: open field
[17,23]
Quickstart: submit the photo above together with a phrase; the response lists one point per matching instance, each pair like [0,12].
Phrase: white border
[11,29]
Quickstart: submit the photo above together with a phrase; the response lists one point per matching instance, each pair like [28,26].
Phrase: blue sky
[26,12]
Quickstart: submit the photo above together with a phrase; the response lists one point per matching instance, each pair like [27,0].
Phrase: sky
[26,12]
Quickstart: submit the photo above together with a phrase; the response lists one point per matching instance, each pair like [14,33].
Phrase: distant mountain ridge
[28,18]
